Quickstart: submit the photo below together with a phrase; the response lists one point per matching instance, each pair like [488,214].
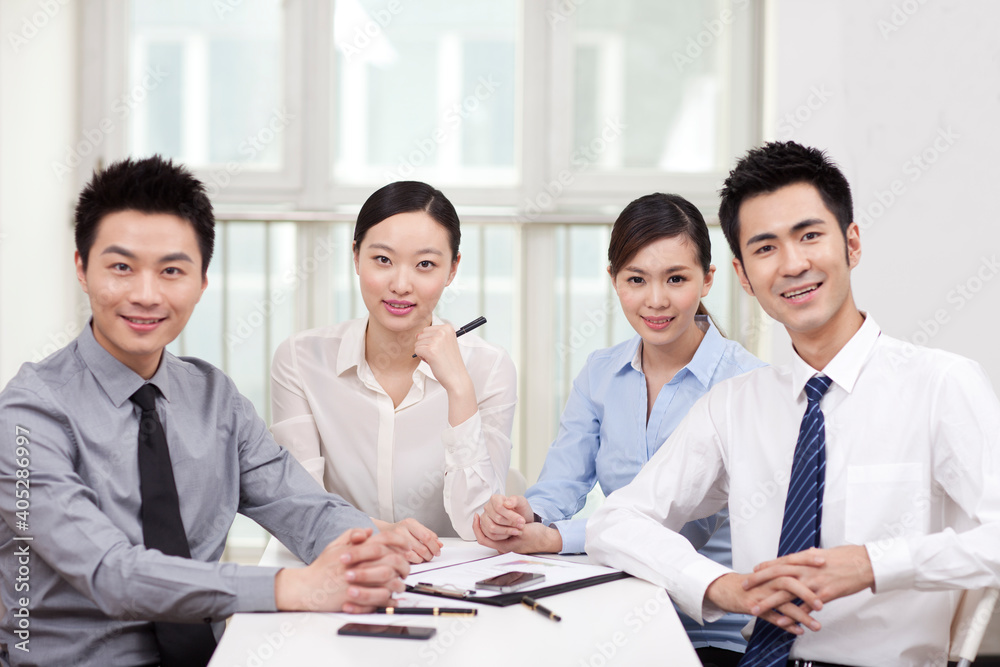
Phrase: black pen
[531,604]
[426,611]
[474,324]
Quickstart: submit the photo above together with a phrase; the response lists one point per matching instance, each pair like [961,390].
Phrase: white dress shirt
[394,462]
[913,473]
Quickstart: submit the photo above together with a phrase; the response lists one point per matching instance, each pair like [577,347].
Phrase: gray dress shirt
[78,586]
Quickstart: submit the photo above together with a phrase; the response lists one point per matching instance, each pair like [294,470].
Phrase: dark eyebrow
[118,250]
[766,236]
[809,222]
[797,227]
[634,269]
[176,257]
[424,251]
[172,257]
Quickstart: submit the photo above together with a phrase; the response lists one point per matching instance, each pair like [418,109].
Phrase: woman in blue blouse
[629,398]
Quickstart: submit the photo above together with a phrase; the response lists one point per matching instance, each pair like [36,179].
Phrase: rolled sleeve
[574,535]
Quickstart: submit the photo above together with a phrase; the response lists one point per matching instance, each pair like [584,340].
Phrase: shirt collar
[117,380]
[845,367]
[352,348]
[702,365]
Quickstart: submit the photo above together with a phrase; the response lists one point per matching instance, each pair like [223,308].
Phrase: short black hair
[407,197]
[150,185]
[773,166]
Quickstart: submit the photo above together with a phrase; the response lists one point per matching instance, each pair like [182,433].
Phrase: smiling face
[796,264]
[404,264]
[660,289]
[143,278]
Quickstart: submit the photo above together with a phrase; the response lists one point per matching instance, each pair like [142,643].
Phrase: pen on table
[426,611]
[478,322]
[547,613]
[423,587]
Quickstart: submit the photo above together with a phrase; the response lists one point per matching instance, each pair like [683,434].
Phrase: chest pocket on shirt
[887,500]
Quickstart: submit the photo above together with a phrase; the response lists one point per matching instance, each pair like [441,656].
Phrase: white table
[628,622]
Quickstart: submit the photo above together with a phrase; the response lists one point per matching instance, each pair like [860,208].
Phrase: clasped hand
[355,573]
[508,524]
[814,577]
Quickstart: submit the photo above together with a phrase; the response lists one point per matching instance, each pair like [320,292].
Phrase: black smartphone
[510,581]
[390,631]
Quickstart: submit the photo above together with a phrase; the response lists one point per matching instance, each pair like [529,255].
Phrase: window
[539,119]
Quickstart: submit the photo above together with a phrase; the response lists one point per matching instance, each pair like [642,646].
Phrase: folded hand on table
[355,573]
[423,543]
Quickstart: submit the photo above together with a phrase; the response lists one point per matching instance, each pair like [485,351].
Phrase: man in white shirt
[909,495]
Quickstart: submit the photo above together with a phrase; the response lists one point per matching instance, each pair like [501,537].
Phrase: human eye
[677,279]
[635,280]
[121,267]
[764,249]
[811,236]
[426,264]
[173,271]
[382,259]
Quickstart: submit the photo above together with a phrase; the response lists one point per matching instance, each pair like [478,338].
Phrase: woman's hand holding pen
[438,346]
[505,516]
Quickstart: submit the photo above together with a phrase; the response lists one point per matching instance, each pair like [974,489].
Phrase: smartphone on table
[389,631]
[509,582]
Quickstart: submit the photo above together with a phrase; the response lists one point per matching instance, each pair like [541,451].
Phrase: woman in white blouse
[402,437]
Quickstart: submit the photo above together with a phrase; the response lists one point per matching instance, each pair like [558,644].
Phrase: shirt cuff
[892,564]
[255,589]
[692,599]
[574,535]
[461,443]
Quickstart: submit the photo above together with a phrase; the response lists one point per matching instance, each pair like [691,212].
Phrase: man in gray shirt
[78,584]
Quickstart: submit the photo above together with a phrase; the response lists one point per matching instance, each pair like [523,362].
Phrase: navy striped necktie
[800,528]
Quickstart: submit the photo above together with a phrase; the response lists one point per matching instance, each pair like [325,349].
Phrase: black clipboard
[507,599]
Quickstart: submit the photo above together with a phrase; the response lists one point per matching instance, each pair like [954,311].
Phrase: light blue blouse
[604,437]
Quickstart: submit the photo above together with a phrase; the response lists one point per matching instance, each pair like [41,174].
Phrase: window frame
[543,139]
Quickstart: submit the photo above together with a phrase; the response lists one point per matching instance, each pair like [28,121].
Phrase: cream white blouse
[394,462]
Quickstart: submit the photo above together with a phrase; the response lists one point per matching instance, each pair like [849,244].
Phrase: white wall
[888,79]
[37,117]
[887,85]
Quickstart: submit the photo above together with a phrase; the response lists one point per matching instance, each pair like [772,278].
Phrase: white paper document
[463,577]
